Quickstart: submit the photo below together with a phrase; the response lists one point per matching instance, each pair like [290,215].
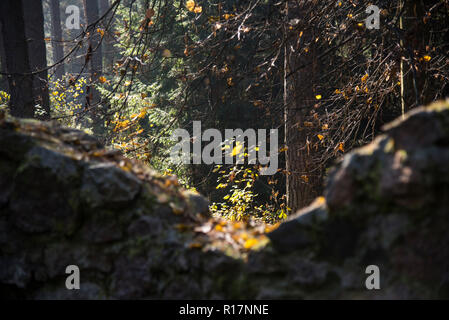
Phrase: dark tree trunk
[95,57]
[3,78]
[108,47]
[17,59]
[417,36]
[34,30]
[104,5]
[303,180]
[58,50]
[92,15]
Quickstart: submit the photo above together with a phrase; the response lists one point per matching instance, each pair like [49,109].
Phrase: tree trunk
[302,183]
[92,15]
[3,78]
[416,40]
[108,47]
[34,30]
[17,59]
[95,63]
[58,50]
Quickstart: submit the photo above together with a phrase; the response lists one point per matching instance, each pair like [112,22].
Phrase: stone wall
[65,199]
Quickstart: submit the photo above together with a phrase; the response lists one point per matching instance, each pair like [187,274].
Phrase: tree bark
[17,59]
[58,50]
[302,183]
[92,15]
[94,55]
[108,47]
[3,78]
[34,30]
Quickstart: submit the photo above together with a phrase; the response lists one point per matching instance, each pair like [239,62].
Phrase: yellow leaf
[237,149]
[198,9]
[305,178]
[308,124]
[318,96]
[142,113]
[250,243]
[341,147]
[238,225]
[102,79]
[321,137]
[364,78]
[166,53]
[270,228]
[427,58]
[190,4]
[325,126]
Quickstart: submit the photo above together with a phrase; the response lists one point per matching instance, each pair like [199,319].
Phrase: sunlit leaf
[237,149]
[250,243]
[190,4]
[166,53]
[364,78]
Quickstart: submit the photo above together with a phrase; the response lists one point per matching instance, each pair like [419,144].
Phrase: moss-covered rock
[386,204]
